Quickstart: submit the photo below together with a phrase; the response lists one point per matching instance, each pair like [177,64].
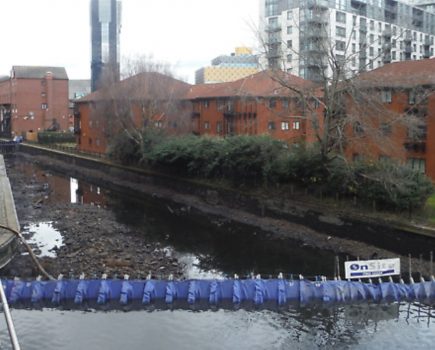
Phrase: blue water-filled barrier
[256,291]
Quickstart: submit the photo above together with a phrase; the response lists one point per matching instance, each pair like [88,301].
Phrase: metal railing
[8,317]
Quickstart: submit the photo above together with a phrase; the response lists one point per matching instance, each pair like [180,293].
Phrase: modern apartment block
[312,37]
[105,31]
[227,68]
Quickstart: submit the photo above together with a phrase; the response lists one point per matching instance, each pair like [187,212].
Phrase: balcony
[318,4]
[386,59]
[408,49]
[363,28]
[271,28]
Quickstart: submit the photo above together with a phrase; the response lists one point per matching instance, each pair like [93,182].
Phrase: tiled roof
[38,72]
[139,87]
[400,74]
[263,84]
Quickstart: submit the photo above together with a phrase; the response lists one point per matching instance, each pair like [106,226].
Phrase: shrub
[47,137]
[124,149]
[392,185]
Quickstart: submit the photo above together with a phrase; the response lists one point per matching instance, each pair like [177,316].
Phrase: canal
[206,249]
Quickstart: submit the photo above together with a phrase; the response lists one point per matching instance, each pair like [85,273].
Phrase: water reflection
[45,237]
[361,326]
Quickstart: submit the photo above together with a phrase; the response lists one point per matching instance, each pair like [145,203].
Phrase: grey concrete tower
[105,32]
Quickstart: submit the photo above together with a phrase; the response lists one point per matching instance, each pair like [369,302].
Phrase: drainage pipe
[29,249]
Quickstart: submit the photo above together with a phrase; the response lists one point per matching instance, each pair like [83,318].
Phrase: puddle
[192,270]
[45,237]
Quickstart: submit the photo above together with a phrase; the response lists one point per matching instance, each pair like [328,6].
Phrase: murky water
[365,326]
[214,249]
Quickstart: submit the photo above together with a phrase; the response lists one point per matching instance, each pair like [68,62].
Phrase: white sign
[372,268]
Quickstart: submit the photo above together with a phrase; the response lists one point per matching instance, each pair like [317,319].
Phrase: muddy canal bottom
[203,246]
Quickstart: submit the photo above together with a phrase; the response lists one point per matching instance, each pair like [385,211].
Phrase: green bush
[47,137]
[392,185]
[261,160]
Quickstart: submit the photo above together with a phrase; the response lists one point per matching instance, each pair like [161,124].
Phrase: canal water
[209,250]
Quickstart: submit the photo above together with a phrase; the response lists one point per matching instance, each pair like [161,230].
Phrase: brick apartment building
[407,91]
[259,104]
[33,99]
[131,102]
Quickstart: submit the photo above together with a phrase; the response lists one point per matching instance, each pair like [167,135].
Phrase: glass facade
[105,30]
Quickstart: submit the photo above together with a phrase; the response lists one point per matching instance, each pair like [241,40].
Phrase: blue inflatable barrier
[256,291]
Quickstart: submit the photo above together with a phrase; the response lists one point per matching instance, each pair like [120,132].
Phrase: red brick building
[33,99]
[251,106]
[254,105]
[406,128]
[259,104]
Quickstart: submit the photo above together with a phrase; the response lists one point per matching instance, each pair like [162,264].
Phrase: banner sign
[372,268]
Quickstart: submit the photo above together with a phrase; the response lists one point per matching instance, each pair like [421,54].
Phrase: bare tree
[348,109]
[148,97]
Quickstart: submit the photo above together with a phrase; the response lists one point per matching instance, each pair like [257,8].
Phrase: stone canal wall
[386,233]
[8,218]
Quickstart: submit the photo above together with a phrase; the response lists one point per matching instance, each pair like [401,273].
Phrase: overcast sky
[188,34]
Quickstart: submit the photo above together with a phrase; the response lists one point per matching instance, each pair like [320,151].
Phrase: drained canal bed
[104,231]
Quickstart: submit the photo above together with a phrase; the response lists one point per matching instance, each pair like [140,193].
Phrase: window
[285,104]
[158,124]
[44,106]
[340,17]
[340,31]
[284,126]
[289,58]
[206,103]
[372,25]
[340,45]
[353,48]
[296,125]
[289,44]
[206,125]
[372,38]
[272,103]
[386,96]
[417,164]
[379,26]
[371,51]
[271,125]
[289,30]
[393,55]
[386,129]
[289,15]
[411,97]
[219,127]
[358,129]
